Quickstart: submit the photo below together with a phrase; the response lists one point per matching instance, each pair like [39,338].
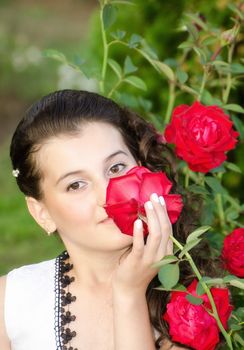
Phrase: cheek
[74,212]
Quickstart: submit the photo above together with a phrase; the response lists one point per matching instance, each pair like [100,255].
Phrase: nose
[101,189]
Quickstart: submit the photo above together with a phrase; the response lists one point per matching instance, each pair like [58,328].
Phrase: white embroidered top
[29,311]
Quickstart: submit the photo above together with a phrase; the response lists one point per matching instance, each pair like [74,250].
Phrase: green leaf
[148,54]
[178,288]
[234,202]
[197,233]
[238,339]
[123,2]
[55,54]
[218,169]
[236,327]
[147,106]
[164,68]
[181,75]
[186,45]
[215,239]
[192,31]
[215,184]
[118,34]
[194,300]
[201,53]
[234,107]
[109,15]
[239,313]
[233,167]
[169,275]
[166,260]
[208,99]
[197,20]
[220,63]
[212,281]
[234,281]
[137,82]
[209,40]
[134,40]
[236,10]
[151,51]
[231,214]
[207,212]
[115,67]
[198,189]
[189,90]
[199,289]
[129,67]
[188,247]
[237,68]
[239,126]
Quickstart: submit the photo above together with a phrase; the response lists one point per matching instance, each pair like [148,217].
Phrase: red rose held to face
[127,194]
[202,135]
[233,252]
[192,325]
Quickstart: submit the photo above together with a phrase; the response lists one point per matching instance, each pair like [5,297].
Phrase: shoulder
[35,283]
[4,341]
[36,271]
[32,268]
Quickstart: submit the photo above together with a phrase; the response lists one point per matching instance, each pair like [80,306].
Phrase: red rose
[233,252]
[202,135]
[127,194]
[191,324]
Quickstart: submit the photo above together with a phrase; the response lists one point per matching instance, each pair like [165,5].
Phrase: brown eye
[75,186]
[117,168]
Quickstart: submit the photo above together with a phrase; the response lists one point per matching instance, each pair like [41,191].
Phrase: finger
[155,235]
[166,228]
[138,239]
[169,250]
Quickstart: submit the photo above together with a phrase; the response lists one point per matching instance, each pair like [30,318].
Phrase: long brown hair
[64,112]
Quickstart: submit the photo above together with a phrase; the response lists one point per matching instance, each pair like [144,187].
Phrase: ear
[40,214]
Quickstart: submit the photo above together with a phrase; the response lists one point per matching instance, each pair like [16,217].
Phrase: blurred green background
[28,27]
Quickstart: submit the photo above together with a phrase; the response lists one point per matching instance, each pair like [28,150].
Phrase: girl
[98,294]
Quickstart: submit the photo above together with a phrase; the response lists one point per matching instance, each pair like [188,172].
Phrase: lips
[107,219]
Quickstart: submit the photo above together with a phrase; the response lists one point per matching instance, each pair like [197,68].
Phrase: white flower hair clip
[15,172]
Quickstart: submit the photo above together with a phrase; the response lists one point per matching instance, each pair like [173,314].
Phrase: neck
[93,270]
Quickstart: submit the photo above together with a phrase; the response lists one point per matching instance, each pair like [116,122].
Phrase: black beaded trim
[63,299]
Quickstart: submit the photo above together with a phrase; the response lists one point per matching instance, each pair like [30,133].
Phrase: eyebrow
[80,171]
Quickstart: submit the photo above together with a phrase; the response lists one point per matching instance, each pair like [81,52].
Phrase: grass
[22,241]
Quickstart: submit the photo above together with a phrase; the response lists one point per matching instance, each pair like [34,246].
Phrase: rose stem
[105,49]
[187,177]
[171,101]
[206,289]
[204,80]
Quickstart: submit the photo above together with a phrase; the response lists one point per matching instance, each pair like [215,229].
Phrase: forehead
[94,142]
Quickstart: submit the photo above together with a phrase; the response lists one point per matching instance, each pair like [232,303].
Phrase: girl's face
[76,172]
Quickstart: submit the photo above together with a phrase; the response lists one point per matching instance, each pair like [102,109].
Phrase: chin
[115,231]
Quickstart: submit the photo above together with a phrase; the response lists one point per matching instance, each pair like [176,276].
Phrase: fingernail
[138,224]
[149,205]
[154,197]
[161,200]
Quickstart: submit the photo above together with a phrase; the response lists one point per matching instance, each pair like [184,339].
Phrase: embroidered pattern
[63,298]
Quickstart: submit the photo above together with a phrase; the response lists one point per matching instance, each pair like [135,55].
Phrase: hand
[135,272]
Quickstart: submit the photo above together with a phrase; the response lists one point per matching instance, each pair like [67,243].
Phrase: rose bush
[127,194]
[210,69]
[191,324]
[202,135]
[232,253]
